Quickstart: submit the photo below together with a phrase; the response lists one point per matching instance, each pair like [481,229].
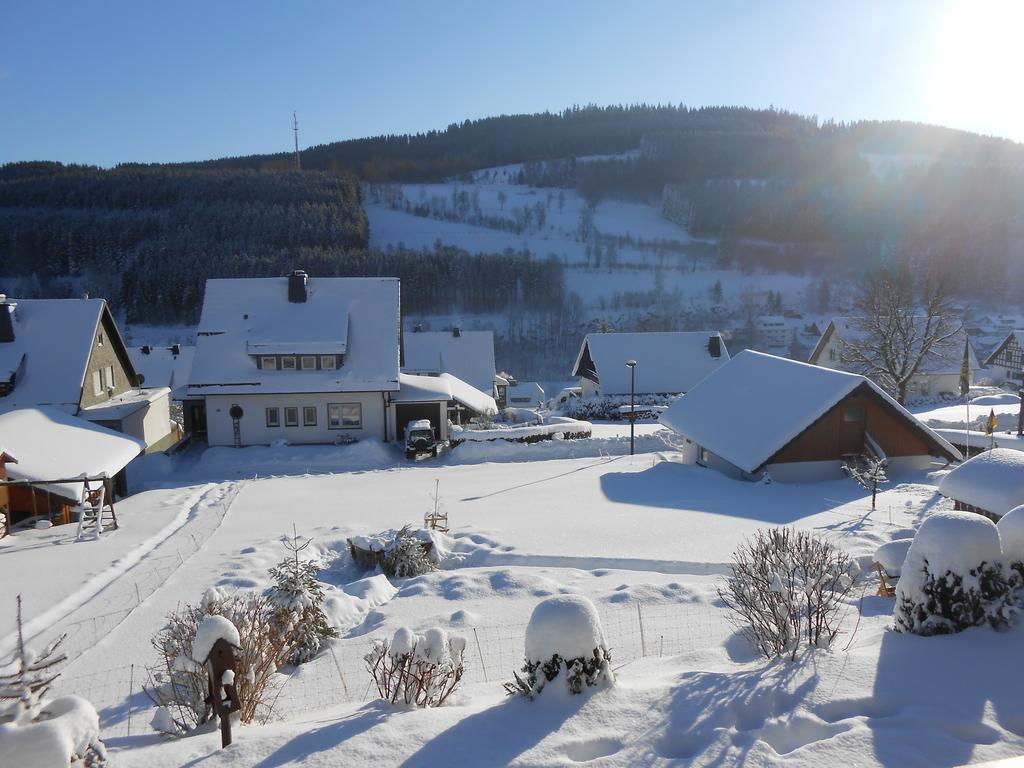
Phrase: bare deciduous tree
[901,326]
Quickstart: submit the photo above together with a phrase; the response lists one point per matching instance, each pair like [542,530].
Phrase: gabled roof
[993,481]
[354,316]
[751,408]
[468,356]
[160,367]
[53,339]
[667,362]
[51,444]
[1017,336]
[945,361]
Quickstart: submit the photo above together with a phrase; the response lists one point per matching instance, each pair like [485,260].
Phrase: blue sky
[106,82]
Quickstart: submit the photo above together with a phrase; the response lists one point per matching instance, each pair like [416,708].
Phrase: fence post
[131,688]
[138,595]
[480,653]
[643,642]
[341,676]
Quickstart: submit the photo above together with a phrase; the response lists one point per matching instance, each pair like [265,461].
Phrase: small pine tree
[406,556]
[33,674]
[299,592]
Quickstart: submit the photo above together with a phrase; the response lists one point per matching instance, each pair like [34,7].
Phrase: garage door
[406,412]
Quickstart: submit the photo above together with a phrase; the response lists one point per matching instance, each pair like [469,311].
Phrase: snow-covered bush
[301,596]
[564,640]
[403,554]
[1011,541]
[953,577]
[40,733]
[406,557]
[417,670]
[788,587]
[178,684]
[609,407]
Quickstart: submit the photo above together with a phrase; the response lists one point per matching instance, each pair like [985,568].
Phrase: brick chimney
[297,287]
[715,345]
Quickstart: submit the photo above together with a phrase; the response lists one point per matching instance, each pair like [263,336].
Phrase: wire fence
[339,676]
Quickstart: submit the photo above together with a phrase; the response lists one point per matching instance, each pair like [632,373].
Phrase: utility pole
[632,405]
[295,127]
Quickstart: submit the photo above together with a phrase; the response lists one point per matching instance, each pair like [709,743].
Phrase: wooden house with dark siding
[761,413]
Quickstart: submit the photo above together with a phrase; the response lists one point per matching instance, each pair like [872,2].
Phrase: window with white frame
[309,362]
[287,363]
[268,363]
[110,376]
[291,416]
[344,416]
[273,417]
[328,362]
[97,383]
[309,415]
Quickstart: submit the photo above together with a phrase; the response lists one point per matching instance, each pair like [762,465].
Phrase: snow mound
[1003,398]
[892,555]
[1011,535]
[212,629]
[993,481]
[564,625]
[71,726]
[953,541]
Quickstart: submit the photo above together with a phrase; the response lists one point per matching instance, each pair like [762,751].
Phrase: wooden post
[221,660]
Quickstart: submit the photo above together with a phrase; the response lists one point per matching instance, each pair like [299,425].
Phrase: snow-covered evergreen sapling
[564,641]
[301,595]
[1011,541]
[953,577]
[406,556]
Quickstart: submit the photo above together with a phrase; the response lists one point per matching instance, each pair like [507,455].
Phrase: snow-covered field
[644,537]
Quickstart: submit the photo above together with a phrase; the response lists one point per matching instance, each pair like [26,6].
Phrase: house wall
[254,429]
[102,356]
[1009,363]
[830,437]
[590,388]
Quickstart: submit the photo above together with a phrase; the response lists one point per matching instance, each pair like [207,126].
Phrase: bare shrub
[417,670]
[788,587]
[178,683]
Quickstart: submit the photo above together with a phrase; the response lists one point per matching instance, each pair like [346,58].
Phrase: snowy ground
[646,538]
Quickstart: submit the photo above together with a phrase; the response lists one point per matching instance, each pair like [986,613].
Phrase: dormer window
[287,363]
[328,362]
[308,362]
[268,363]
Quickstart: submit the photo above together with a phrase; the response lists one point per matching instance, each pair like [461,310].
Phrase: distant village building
[668,363]
[939,372]
[69,354]
[1006,363]
[48,448]
[467,355]
[773,333]
[990,484]
[761,413]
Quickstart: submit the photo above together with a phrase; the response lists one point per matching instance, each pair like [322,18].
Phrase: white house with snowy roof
[467,355]
[990,484]
[308,360]
[667,363]
[761,413]
[939,371]
[1006,362]
[69,354]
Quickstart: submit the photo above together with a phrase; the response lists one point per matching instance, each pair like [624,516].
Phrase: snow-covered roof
[53,339]
[161,367]
[51,444]
[125,404]
[667,362]
[993,481]
[246,317]
[470,355]
[1017,336]
[751,408]
[947,360]
[444,387]
[529,389]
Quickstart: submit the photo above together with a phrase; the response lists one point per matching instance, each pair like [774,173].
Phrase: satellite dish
[236,412]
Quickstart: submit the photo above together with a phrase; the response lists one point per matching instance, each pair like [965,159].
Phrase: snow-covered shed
[69,354]
[525,394]
[667,363]
[939,371]
[439,399]
[467,355]
[51,446]
[164,366]
[991,483]
[797,421]
[299,358]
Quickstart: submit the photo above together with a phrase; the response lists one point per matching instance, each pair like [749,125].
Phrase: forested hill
[744,135]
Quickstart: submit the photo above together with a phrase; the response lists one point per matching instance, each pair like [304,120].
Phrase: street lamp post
[632,405]
[1020,413]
